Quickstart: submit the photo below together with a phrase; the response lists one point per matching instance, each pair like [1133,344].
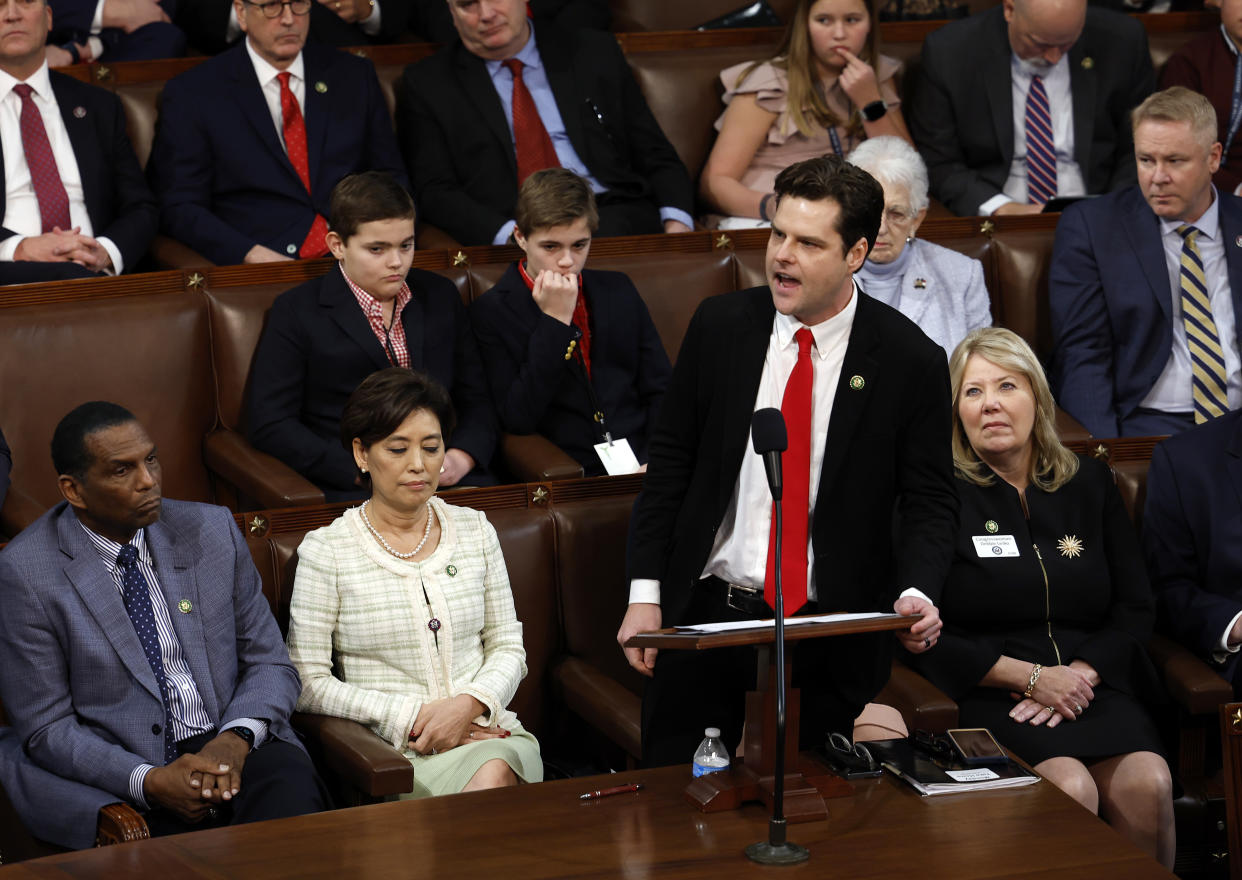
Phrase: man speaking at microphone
[869,507]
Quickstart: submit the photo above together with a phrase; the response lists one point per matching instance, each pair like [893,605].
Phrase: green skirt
[448,772]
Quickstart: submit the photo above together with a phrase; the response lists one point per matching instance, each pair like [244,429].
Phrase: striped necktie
[1207,360]
[1041,157]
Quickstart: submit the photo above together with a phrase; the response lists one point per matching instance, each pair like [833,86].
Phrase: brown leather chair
[150,353]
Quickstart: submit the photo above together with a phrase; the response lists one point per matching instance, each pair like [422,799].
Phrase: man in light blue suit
[139,660]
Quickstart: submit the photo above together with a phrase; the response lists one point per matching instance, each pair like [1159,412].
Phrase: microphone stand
[776,850]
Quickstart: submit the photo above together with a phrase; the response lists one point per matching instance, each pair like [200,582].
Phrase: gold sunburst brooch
[1070,546]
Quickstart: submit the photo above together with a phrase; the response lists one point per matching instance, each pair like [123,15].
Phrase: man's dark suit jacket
[459,149]
[118,200]
[961,116]
[72,20]
[220,168]
[1192,534]
[887,452]
[537,391]
[316,348]
[1111,306]
[206,23]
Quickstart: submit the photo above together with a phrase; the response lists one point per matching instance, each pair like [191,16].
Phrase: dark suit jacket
[6,465]
[887,453]
[1205,65]
[459,149]
[74,680]
[537,391]
[317,347]
[206,24]
[118,200]
[961,116]
[218,164]
[1110,304]
[1192,533]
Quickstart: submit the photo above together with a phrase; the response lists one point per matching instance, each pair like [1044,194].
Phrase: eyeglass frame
[279,6]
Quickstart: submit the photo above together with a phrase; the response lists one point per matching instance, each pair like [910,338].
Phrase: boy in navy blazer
[369,312]
[562,343]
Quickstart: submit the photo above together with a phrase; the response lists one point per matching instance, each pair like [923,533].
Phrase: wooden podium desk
[544,831]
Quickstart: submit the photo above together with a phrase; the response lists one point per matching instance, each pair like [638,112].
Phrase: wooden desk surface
[544,831]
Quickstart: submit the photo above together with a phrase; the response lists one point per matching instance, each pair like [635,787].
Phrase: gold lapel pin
[991,526]
[321,87]
[920,283]
[857,383]
[185,606]
[1088,63]
[1070,546]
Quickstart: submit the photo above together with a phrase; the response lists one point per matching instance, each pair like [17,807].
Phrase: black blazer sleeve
[476,420]
[277,390]
[123,207]
[525,364]
[206,23]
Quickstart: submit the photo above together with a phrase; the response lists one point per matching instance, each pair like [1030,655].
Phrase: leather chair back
[237,318]
[147,352]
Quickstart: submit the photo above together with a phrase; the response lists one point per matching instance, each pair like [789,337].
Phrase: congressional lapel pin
[185,606]
[857,383]
[920,283]
[991,526]
[451,571]
[1237,242]
[321,87]
[1070,546]
[79,112]
[1088,63]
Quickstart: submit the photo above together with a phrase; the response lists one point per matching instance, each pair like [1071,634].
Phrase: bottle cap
[712,732]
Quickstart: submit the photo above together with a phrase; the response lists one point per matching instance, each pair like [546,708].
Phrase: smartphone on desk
[976,745]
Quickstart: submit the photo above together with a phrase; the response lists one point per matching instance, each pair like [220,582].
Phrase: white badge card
[617,457]
[997,546]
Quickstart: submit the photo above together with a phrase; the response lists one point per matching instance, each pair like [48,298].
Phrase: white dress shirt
[1061,108]
[271,86]
[21,207]
[1172,391]
[740,551]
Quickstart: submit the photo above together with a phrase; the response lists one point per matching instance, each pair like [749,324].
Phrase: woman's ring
[926,643]
[434,752]
[1077,709]
[472,733]
[1051,709]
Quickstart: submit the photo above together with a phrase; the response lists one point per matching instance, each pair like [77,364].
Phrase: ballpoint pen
[608,792]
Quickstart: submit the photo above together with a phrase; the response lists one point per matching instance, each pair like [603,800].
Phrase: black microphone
[767,433]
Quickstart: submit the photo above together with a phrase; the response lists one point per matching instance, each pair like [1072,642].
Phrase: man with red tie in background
[869,505]
[516,95]
[250,143]
[74,200]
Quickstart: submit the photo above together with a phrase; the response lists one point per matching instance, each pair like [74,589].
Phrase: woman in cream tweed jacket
[425,650]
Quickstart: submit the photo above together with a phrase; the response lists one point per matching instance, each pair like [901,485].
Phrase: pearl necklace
[386,545]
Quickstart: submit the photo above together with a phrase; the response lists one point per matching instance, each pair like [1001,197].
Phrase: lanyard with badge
[614,452]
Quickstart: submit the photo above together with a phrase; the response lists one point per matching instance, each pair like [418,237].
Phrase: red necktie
[44,175]
[294,128]
[531,142]
[796,468]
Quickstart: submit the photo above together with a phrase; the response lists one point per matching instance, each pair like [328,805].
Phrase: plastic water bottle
[711,755]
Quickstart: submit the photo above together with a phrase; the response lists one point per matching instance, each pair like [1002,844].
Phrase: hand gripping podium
[754,779]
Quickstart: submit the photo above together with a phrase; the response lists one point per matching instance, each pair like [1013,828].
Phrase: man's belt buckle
[743,599]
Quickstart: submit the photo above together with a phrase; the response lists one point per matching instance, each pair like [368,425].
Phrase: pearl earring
[364,470]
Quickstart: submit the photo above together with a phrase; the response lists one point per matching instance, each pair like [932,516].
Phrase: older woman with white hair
[939,289]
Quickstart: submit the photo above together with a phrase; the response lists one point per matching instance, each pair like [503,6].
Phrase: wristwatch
[874,111]
[245,733]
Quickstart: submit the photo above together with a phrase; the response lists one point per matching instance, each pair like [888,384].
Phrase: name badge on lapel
[995,546]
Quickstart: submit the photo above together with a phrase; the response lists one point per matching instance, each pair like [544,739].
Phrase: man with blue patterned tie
[1027,101]
[1145,285]
[139,661]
